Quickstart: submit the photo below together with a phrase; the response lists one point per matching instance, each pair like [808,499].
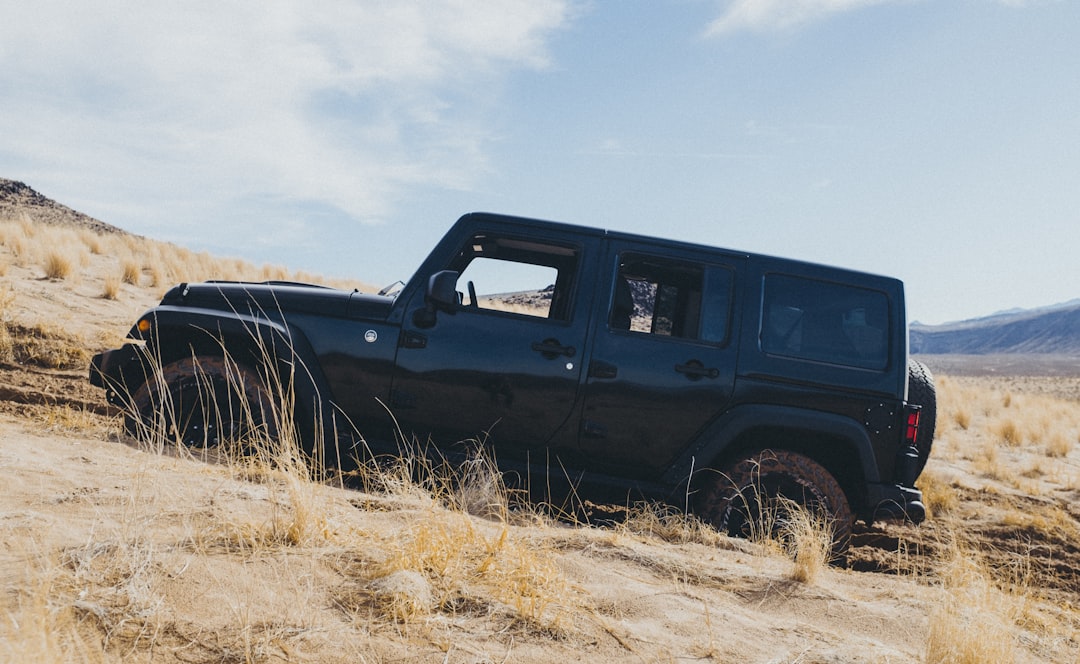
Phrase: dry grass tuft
[962,418]
[463,563]
[973,621]
[111,288]
[807,536]
[939,496]
[1059,445]
[14,237]
[668,524]
[44,628]
[59,264]
[130,272]
[1009,432]
[93,241]
[45,346]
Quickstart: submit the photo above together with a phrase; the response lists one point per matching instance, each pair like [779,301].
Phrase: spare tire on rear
[921,393]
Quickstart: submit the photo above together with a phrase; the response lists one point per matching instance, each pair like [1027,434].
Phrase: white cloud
[342,103]
[769,15]
[765,15]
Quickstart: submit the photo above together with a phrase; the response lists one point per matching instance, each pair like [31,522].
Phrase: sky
[937,141]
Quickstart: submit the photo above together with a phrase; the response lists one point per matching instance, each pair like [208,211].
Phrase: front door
[503,366]
[663,362]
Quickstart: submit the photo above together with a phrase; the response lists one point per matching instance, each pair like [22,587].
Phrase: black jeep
[644,366]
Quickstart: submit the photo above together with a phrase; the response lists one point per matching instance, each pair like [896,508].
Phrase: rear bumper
[893,502]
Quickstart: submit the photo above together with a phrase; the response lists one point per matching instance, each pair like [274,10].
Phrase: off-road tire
[921,392]
[731,499]
[203,401]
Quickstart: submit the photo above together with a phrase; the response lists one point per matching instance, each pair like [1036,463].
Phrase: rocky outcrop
[18,200]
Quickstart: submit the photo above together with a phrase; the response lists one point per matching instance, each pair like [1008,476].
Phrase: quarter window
[825,322]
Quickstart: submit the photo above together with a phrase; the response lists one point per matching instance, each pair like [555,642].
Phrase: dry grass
[103,262]
[111,288]
[40,629]
[808,538]
[43,345]
[939,495]
[58,264]
[443,559]
[130,272]
[1059,445]
[63,251]
[972,623]
[442,566]
[667,524]
[1009,433]
[1005,421]
[448,560]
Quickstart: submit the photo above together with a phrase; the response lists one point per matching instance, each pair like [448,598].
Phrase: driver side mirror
[442,291]
[442,294]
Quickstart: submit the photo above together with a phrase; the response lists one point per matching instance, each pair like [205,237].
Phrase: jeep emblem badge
[370,336]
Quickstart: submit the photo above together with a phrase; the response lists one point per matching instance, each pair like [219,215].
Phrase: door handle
[551,348]
[695,370]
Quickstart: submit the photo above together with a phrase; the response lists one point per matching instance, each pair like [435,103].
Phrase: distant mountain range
[1046,330]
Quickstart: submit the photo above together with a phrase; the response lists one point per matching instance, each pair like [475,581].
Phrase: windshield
[393,289]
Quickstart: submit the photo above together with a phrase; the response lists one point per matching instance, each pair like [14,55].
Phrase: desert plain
[119,551]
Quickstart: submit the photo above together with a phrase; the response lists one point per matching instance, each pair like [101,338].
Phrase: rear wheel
[747,499]
[203,401]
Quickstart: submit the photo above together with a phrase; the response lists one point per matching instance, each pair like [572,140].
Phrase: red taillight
[912,430]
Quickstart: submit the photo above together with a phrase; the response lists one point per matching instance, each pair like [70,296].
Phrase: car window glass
[500,285]
[657,296]
[825,322]
[517,276]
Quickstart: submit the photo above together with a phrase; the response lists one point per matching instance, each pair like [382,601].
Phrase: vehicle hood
[278,298]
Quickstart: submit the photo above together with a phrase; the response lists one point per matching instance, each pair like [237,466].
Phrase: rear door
[663,359]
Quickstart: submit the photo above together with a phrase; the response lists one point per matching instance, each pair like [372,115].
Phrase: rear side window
[670,298]
[825,322]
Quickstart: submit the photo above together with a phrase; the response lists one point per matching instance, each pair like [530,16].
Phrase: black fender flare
[175,331]
[717,438]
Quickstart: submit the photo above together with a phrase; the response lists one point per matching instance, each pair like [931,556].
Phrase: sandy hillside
[116,552]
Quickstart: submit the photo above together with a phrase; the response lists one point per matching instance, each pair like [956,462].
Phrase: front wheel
[203,401]
[747,498]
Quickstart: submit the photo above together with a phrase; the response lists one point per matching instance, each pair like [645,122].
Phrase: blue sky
[933,140]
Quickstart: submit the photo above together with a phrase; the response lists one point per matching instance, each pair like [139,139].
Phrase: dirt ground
[143,546]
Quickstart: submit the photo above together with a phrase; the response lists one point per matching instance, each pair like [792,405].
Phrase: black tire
[204,402]
[921,392]
[732,500]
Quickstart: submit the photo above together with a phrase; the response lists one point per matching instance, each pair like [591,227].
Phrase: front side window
[516,276]
[825,322]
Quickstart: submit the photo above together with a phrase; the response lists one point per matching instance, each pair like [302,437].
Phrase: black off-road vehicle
[639,365]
